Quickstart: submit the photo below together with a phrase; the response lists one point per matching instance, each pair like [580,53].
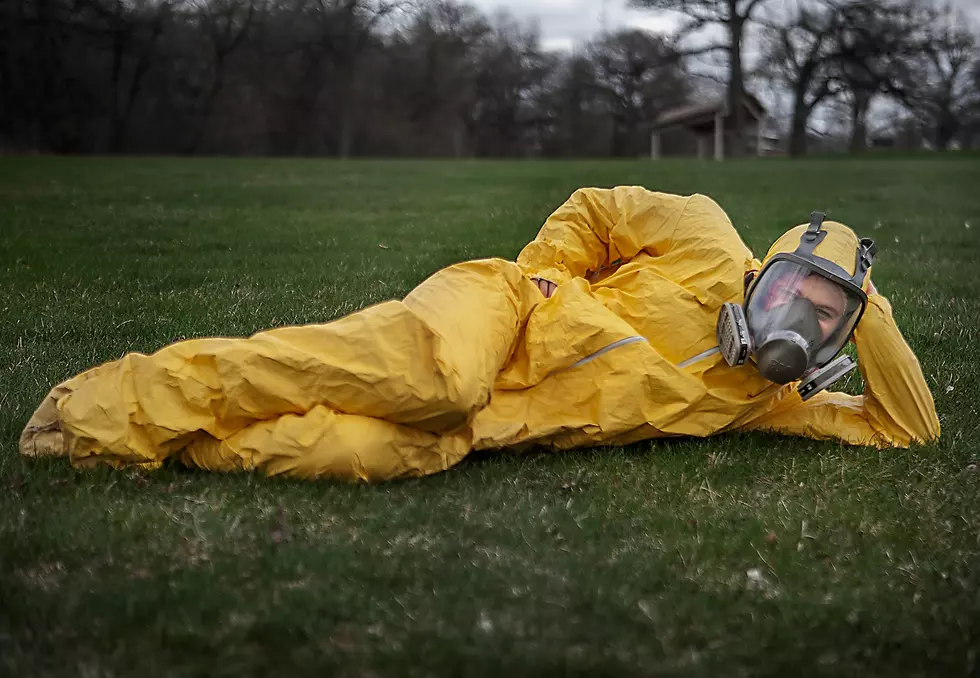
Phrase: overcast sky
[567,23]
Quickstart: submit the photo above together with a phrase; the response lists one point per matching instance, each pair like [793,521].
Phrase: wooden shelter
[711,124]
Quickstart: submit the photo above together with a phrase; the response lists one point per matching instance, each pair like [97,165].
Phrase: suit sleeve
[896,409]
[596,228]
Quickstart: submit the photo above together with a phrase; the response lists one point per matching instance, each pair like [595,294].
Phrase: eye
[824,314]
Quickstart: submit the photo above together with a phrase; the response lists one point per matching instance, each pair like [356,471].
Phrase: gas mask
[799,312]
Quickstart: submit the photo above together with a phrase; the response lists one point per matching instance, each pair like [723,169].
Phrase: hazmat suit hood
[836,252]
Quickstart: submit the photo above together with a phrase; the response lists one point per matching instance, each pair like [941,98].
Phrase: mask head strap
[813,235]
[865,257]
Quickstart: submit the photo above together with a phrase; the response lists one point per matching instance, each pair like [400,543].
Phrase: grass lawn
[747,555]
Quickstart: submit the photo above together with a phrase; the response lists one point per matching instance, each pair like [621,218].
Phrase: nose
[826,329]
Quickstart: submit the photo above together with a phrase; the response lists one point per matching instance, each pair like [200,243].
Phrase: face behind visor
[798,320]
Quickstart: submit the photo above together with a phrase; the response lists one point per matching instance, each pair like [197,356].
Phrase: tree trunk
[8,89]
[946,128]
[303,134]
[345,136]
[801,115]
[347,72]
[968,138]
[736,90]
[122,127]
[346,141]
[115,133]
[458,134]
[859,121]
[37,112]
[207,104]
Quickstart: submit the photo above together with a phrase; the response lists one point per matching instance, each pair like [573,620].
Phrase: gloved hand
[546,286]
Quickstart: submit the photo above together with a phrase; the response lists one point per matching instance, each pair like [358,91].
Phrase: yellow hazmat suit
[477,358]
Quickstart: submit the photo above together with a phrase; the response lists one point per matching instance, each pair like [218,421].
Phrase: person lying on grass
[632,315]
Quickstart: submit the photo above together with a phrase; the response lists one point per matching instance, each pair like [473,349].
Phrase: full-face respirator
[799,312]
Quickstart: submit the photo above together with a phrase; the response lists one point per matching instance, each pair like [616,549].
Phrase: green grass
[630,561]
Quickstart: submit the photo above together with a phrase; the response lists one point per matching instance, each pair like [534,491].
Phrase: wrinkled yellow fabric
[476,358]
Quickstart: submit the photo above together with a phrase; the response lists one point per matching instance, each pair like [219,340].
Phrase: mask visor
[802,311]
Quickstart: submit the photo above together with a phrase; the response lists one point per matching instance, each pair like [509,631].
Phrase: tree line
[440,78]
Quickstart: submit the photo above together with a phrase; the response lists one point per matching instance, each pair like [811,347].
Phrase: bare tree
[430,68]
[224,24]
[130,31]
[941,92]
[874,47]
[638,78]
[733,17]
[386,77]
[799,54]
[33,70]
[574,105]
[332,37]
[510,69]
[970,132]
